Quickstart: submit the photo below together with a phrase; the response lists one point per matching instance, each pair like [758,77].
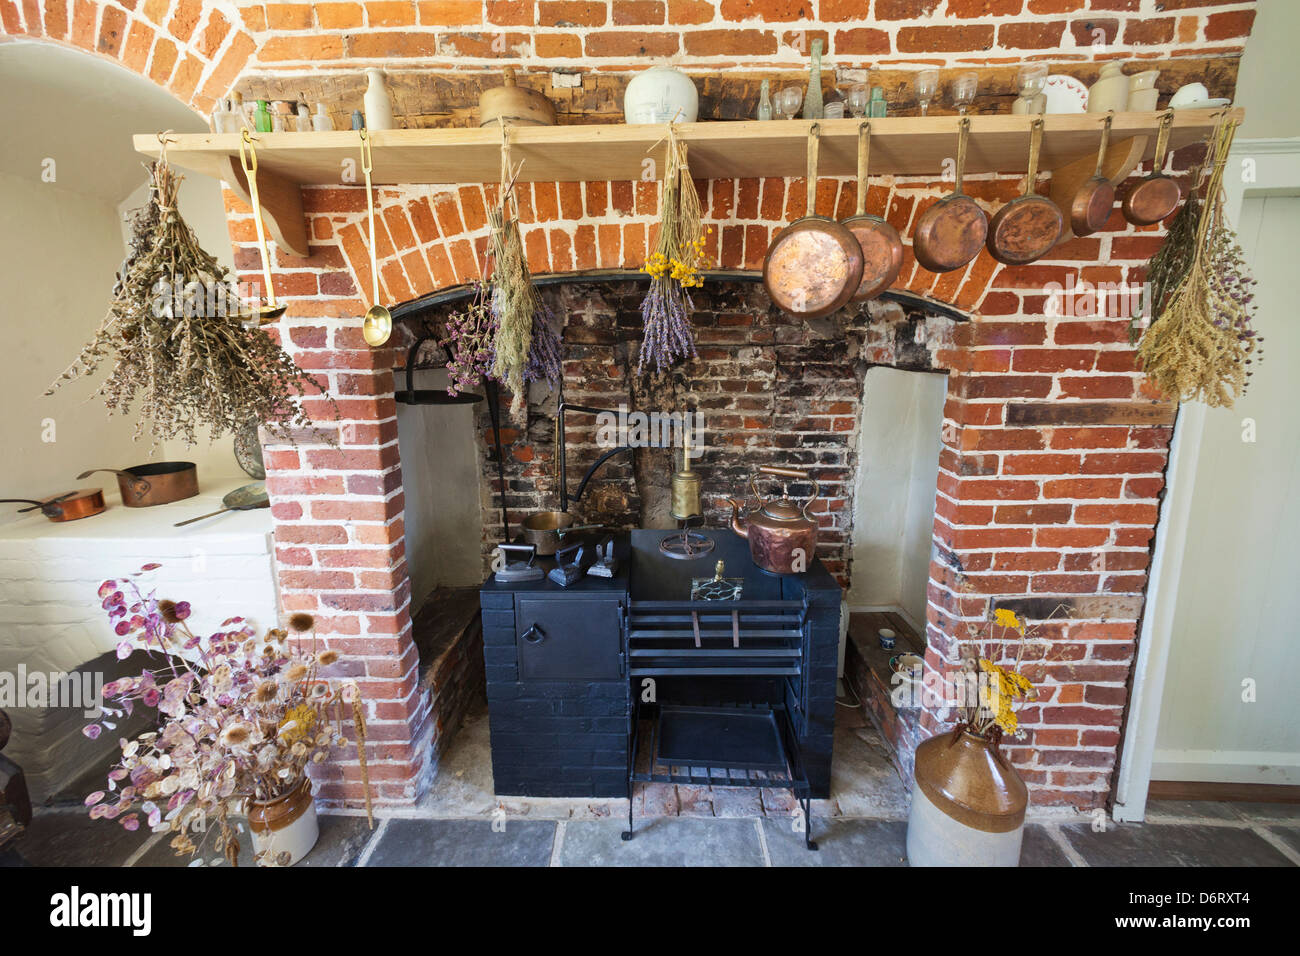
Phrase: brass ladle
[266,314]
[378,323]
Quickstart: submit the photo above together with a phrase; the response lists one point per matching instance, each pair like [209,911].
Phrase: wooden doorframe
[1259,167]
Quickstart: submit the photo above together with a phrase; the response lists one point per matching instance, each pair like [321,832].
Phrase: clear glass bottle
[302,121]
[812,101]
[765,101]
[321,121]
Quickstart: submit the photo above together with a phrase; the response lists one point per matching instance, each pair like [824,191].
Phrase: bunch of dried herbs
[674,267]
[179,347]
[1201,343]
[515,304]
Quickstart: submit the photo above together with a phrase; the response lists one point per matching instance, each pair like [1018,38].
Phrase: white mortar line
[364,859]
[1277,843]
[558,846]
[1071,854]
[762,841]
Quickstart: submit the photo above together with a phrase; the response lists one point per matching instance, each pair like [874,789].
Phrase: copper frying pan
[882,249]
[68,506]
[814,265]
[1027,227]
[950,233]
[1094,200]
[1156,196]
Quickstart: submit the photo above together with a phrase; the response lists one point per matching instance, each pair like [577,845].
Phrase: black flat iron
[570,564]
[517,572]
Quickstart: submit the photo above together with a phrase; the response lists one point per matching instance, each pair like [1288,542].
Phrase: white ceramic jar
[661,94]
[1142,93]
[379,108]
[1110,92]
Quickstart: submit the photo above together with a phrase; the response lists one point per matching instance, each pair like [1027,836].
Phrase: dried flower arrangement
[990,682]
[1201,343]
[471,332]
[240,719]
[674,267]
[177,341]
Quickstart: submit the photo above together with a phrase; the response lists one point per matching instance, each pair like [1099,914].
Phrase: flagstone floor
[864,823]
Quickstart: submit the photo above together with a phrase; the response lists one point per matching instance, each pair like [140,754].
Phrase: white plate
[1205,104]
[1065,94]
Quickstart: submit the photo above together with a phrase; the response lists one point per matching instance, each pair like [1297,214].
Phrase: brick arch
[193,49]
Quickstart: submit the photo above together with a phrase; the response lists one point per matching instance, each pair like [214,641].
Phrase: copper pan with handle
[951,232]
[882,249]
[1026,228]
[1157,195]
[814,265]
[1095,198]
[153,483]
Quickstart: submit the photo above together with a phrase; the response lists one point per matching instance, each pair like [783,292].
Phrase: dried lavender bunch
[469,343]
[1172,261]
[673,267]
[545,353]
[666,311]
[176,349]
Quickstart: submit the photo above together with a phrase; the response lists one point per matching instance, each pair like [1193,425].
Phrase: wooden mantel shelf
[913,145]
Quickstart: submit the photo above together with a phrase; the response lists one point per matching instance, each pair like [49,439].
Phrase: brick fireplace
[1053,451]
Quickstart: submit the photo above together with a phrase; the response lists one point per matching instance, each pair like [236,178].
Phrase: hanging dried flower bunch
[1202,343]
[177,342]
[674,267]
[526,348]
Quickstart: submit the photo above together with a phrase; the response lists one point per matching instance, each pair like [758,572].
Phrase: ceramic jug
[1110,92]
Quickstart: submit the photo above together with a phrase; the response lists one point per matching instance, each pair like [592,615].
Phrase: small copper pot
[1026,228]
[66,506]
[1156,196]
[882,249]
[155,483]
[1094,200]
[950,233]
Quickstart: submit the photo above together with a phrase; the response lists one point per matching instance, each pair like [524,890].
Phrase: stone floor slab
[1040,849]
[840,843]
[71,838]
[1128,844]
[664,841]
[464,843]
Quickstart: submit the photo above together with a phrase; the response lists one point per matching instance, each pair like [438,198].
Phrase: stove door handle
[534,635]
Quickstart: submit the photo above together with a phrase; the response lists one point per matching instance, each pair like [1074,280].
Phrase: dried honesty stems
[673,268]
[176,342]
[1201,344]
[240,718]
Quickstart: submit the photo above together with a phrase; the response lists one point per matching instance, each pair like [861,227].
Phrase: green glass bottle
[262,120]
[876,106]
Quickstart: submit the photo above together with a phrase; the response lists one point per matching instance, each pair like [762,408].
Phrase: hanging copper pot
[1094,200]
[814,265]
[1156,196]
[1026,228]
[950,233]
[882,249]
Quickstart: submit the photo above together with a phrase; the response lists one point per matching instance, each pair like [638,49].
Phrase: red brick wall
[1053,457]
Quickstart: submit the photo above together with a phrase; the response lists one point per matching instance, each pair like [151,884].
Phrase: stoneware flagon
[968,804]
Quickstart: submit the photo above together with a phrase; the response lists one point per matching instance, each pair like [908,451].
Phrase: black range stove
[613,681]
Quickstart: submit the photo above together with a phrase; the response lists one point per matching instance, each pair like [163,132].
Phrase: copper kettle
[782,538]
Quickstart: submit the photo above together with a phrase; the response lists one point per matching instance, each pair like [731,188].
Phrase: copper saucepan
[544,529]
[1026,228]
[67,506]
[814,265]
[1094,200]
[950,233]
[155,483]
[1156,196]
[882,249]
